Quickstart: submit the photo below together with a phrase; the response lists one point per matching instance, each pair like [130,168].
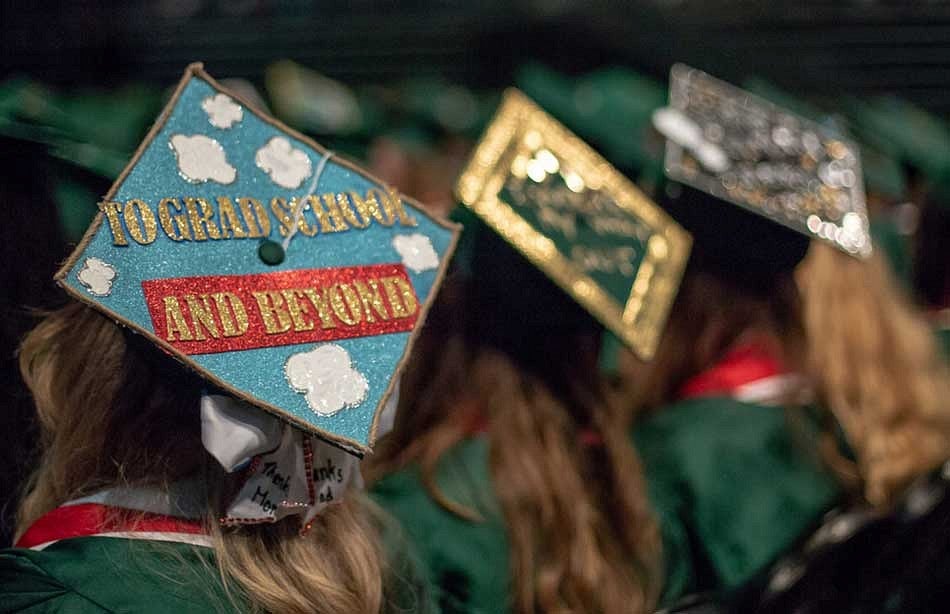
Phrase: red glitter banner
[227,313]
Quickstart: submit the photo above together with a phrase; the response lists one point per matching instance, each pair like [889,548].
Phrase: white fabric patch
[222,111]
[285,482]
[325,375]
[285,165]
[677,127]
[713,157]
[96,276]
[290,473]
[277,485]
[201,158]
[674,125]
[416,251]
[185,498]
[334,472]
[233,431]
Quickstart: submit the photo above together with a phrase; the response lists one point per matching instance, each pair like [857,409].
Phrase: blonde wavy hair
[874,362]
[869,356]
[115,412]
[582,535]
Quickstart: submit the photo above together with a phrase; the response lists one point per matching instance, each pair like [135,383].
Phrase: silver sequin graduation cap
[747,151]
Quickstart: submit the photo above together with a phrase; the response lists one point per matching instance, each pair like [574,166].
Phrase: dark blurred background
[819,47]
[406,87]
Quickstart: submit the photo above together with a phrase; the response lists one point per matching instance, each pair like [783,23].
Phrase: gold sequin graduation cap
[577,219]
[747,151]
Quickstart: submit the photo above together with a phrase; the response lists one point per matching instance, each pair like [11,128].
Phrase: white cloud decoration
[327,379]
[416,251]
[97,276]
[286,166]
[201,158]
[222,111]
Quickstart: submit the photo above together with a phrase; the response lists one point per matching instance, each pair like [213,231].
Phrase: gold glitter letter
[201,223]
[321,303]
[368,208]
[302,224]
[372,300]
[284,214]
[231,327]
[330,218]
[378,203]
[255,214]
[364,218]
[175,321]
[144,231]
[111,210]
[340,308]
[201,315]
[175,227]
[297,310]
[230,223]
[402,298]
[275,316]
[394,204]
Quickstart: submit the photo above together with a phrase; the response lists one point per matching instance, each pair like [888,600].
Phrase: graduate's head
[511,309]
[739,282]
[216,340]
[557,247]
[111,407]
[775,205]
[115,412]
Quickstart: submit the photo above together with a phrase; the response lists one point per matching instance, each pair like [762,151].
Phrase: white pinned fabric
[335,471]
[677,127]
[234,432]
[288,472]
[277,485]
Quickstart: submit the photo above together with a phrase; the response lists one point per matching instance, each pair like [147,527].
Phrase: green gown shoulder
[733,484]
[105,574]
[466,561]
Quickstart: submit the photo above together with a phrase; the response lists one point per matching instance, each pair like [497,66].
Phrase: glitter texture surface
[752,153]
[256,374]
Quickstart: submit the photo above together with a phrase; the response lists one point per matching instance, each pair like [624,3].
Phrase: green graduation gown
[467,562]
[107,574]
[97,574]
[734,485]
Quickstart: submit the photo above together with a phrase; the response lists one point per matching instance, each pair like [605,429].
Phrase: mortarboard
[744,150]
[609,108]
[883,174]
[564,208]
[286,276]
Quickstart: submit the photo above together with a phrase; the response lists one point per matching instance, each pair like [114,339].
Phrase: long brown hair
[582,538]
[115,412]
[868,355]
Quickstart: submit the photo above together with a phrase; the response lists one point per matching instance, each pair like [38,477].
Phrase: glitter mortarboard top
[746,150]
[577,219]
[179,252]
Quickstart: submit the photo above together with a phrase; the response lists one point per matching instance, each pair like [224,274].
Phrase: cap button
[271,252]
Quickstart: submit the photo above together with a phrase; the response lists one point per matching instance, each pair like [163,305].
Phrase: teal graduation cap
[284,275]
